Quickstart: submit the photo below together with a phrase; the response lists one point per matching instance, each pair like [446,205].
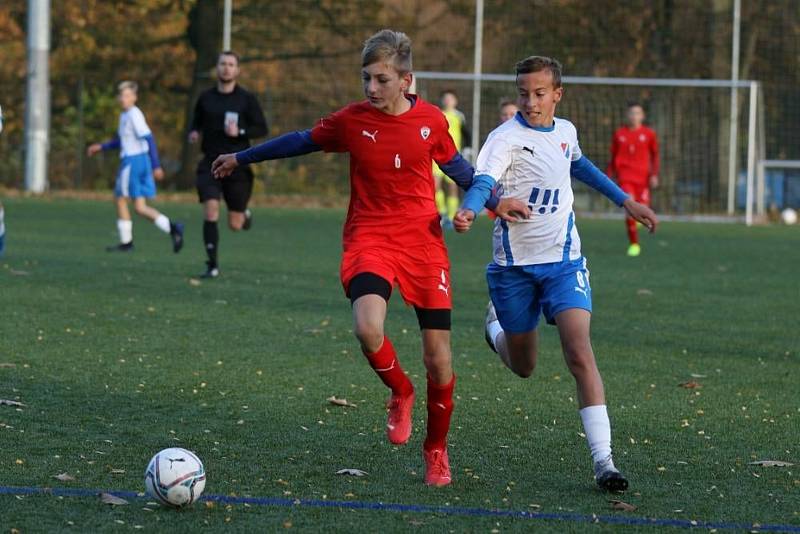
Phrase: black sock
[211,239]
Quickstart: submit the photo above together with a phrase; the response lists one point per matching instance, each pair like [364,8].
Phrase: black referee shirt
[214,108]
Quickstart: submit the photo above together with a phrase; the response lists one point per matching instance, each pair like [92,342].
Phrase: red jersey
[391,182]
[634,155]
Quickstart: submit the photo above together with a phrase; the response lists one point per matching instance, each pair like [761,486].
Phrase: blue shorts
[520,293]
[135,177]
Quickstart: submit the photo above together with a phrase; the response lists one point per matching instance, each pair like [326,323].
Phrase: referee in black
[227,116]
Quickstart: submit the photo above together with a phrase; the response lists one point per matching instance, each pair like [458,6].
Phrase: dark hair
[448,92]
[538,64]
[635,104]
[230,53]
[507,102]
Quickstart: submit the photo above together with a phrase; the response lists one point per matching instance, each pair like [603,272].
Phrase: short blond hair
[388,46]
[128,84]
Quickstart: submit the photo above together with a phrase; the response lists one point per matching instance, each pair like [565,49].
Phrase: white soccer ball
[175,477]
[789,216]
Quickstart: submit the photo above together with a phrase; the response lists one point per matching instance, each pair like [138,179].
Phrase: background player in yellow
[447,200]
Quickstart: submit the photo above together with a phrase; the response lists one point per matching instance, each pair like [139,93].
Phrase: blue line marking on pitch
[421,508]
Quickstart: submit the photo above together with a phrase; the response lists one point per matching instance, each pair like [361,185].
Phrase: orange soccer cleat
[398,426]
[437,467]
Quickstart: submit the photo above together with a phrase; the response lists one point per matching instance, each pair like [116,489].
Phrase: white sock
[125,229]
[2,222]
[162,221]
[494,330]
[598,431]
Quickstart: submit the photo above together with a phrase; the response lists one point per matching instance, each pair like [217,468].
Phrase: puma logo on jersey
[443,285]
[582,290]
[528,149]
[370,135]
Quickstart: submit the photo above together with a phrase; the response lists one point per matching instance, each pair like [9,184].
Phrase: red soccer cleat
[437,467]
[398,427]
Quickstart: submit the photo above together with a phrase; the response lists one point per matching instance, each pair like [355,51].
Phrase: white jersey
[533,165]
[132,132]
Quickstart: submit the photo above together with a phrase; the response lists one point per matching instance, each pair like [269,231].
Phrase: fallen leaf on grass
[340,402]
[622,505]
[117,471]
[18,273]
[8,402]
[695,375]
[644,292]
[691,384]
[352,472]
[7,365]
[194,282]
[64,477]
[772,463]
[113,500]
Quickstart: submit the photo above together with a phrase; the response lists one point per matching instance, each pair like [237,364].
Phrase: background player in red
[392,235]
[634,163]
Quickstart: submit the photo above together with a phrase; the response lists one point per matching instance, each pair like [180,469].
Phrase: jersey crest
[425,132]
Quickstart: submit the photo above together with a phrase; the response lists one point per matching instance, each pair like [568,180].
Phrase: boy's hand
[224,165]
[463,220]
[158,173]
[512,210]
[641,213]
[93,149]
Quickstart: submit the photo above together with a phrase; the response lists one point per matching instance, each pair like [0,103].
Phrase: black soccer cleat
[122,247]
[212,271]
[248,219]
[608,477]
[176,233]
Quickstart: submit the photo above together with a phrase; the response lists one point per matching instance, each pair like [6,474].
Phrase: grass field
[118,356]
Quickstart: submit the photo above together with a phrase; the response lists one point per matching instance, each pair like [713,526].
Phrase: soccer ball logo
[175,477]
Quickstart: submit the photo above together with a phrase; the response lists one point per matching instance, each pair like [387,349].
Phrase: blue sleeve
[284,146]
[585,171]
[155,163]
[461,172]
[479,193]
[111,145]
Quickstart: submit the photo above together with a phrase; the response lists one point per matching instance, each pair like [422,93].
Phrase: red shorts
[638,191]
[421,272]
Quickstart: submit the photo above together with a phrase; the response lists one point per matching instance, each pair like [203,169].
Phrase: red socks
[440,408]
[633,234]
[386,365]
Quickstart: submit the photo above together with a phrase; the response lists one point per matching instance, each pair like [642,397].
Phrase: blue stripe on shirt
[507,244]
[155,163]
[568,240]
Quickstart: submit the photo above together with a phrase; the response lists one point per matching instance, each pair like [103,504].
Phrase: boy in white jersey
[538,266]
[139,164]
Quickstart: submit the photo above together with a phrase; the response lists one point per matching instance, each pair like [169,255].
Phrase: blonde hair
[388,46]
[127,84]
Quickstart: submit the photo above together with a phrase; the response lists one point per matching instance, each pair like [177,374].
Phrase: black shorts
[235,189]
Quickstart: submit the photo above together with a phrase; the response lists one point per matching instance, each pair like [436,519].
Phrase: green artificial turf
[116,356]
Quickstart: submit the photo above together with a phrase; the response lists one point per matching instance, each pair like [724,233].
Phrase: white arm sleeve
[494,157]
[139,123]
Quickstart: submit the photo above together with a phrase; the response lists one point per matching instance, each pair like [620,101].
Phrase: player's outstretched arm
[285,146]
[641,213]
[585,171]
[463,174]
[94,148]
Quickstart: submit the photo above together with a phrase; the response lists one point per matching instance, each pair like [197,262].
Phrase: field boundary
[423,509]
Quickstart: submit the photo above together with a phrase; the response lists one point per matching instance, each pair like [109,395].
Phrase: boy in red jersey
[392,235]
[634,162]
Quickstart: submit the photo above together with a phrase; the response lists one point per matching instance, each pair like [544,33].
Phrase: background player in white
[139,164]
[538,266]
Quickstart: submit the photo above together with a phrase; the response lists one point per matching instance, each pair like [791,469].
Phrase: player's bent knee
[235,225]
[369,334]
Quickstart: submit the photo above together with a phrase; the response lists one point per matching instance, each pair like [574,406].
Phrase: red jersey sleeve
[655,162]
[611,171]
[444,148]
[329,132]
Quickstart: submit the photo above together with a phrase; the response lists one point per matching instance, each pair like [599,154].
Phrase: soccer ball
[175,477]
[789,216]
